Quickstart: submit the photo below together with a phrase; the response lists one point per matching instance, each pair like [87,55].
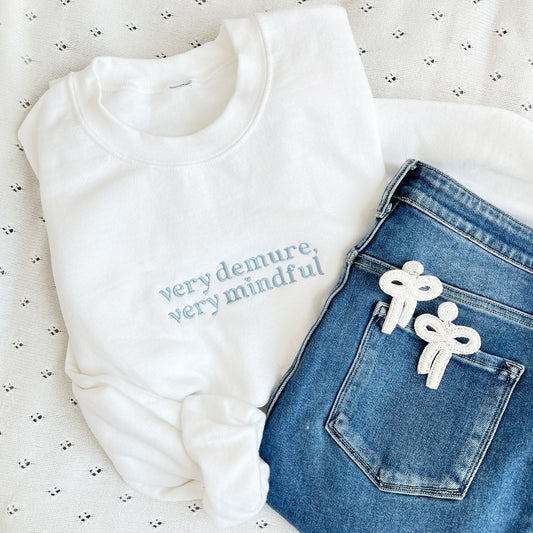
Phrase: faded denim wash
[355,440]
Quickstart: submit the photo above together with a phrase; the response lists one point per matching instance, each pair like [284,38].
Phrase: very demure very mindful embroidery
[288,274]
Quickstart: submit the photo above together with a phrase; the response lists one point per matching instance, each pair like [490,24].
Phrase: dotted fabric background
[54,476]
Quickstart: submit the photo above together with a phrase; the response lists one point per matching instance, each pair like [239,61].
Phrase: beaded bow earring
[441,335]
[407,287]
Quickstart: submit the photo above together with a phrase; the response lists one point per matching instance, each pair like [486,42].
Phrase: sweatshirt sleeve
[204,447]
[37,122]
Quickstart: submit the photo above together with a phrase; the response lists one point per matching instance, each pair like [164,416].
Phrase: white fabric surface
[55,477]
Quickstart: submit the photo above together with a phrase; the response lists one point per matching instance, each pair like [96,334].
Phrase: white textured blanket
[53,475]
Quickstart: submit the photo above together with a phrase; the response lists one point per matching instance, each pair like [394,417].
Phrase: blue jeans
[355,440]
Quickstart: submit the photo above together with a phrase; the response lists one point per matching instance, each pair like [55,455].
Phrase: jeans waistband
[439,195]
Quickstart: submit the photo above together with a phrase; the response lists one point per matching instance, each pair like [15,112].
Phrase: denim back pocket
[406,437]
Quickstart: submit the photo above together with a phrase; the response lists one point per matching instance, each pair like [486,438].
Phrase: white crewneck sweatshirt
[199,208]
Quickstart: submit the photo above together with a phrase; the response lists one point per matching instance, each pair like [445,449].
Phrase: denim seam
[365,241]
[377,481]
[341,393]
[367,335]
[474,195]
[484,364]
[459,299]
[392,186]
[489,433]
[456,292]
[466,235]
[520,368]
[462,356]
[488,302]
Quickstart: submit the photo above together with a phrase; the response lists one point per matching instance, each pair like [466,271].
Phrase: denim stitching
[367,239]
[487,306]
[462,356]
[484,364]
[471,238]
[370,268]
[472,194]
[489,433]
[520,368]
[377,480]
[451,288]
[385,202]
[488,310]
[490,426]
[358,358]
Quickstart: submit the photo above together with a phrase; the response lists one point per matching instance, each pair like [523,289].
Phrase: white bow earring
[441,335]
[407,287]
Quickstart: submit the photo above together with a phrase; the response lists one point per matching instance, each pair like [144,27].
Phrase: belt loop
[384,204]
